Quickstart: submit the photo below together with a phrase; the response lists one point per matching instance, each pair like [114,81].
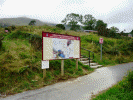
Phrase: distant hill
[20,21]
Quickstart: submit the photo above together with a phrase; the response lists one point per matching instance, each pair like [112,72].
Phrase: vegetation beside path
[20,62]
[121,91]
[20,66]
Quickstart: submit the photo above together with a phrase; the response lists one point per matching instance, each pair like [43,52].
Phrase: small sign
[101,40]
[45,64]
[6,31]
[129,35]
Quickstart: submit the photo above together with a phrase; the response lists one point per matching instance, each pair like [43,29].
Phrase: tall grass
[20,62]
[20,66]
[115,51]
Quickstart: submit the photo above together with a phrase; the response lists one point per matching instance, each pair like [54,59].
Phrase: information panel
[59,46]
[45,64]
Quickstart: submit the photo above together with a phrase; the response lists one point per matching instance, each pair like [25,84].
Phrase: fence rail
[89,54]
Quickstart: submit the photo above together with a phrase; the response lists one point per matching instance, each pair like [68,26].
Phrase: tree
[89,22]
[99,24]
[131,32]
[61,26]
[114,29]
[32,22]
[102,31]
[101,28]
[72,21]
[113,32]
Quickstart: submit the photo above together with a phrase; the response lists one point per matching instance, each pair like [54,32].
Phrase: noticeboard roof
[60,36]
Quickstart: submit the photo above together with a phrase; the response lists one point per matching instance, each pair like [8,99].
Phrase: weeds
[20,63]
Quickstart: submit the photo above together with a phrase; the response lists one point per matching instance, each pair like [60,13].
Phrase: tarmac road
[80,88]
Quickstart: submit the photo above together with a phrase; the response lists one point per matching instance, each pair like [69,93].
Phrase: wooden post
[62,67]
[44,73]
[76,64]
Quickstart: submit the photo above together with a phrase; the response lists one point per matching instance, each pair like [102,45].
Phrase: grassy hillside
[115,51]
[20,62]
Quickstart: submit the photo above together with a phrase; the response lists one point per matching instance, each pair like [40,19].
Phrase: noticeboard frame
[63,35]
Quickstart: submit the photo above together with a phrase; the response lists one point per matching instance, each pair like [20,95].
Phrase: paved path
[78,89]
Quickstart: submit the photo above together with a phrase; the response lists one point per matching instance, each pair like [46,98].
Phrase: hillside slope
[20,62]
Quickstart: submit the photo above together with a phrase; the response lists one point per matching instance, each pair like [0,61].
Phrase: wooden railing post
[89,58]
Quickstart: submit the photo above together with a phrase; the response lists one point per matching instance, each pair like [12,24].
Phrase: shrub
[32,22]
[48,76]
[130,79]
[24,85]
[22,70]
[23,55]
[120,59]
[125,47]
[17,34]
[56,72]
[130,46]
[55,64]
[111,50]
[13,27]
[61,26]
[86,66]
[0,43]
[70,70]
[108,42]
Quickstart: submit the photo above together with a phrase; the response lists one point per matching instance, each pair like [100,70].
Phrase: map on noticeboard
[58,46]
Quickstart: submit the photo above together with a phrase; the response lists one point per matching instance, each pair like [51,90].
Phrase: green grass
[20,67]
[114,51]
[121,91]
[20,62]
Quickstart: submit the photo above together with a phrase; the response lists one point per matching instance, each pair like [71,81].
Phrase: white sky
[117,13]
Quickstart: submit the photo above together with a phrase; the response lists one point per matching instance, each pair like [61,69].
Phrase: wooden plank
[44,73]
[62,67]
[76,64]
